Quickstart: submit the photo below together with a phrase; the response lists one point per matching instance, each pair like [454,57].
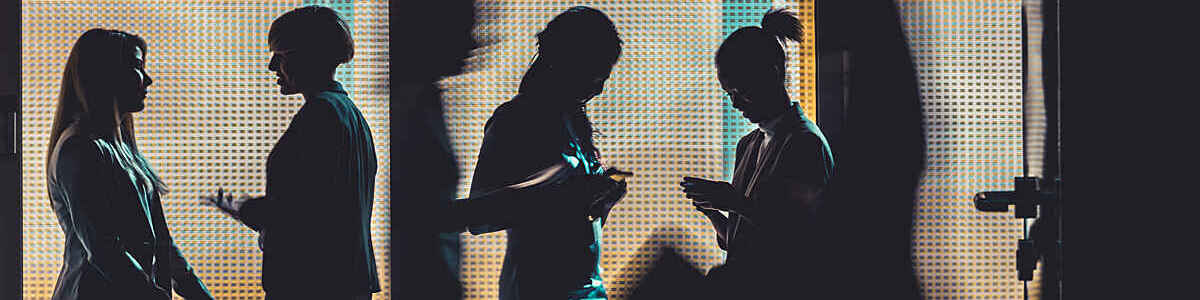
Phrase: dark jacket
[768,235]
[118,245]
[315,222]
[550,255]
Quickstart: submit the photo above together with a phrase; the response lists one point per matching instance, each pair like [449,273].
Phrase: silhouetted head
[104,81]
[443,28]
[576,54]
[307,45]
[752,65]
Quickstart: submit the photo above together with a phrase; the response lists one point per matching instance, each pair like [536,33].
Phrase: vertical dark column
[1051,166]
[10,155]
[879,148]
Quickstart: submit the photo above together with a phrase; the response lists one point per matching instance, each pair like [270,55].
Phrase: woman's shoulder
[76,150]
[74,141]
[518,111]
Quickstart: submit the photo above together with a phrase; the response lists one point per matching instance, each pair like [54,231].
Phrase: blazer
[117,243]
[315,221]
[773,232]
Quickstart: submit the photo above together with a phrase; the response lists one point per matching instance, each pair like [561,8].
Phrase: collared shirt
[768,128]
[797,152]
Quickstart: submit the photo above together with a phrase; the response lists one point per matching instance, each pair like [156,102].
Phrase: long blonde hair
[87,97]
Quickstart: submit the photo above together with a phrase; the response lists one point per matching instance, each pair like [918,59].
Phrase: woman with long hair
[106,195]
[551,254]
[781,168]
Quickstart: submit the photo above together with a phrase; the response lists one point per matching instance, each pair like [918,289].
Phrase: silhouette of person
[314,222]
[781,168]
[426,176]
[428,244]
[554,254]
[106,195]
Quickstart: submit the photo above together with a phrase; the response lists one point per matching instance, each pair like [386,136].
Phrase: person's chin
[753,118]
[286,90]
[133,107]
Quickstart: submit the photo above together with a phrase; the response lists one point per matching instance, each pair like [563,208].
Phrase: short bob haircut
[313,29]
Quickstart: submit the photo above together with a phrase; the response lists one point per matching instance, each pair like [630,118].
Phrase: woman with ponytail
[106,196]
[551,254]
[781,168]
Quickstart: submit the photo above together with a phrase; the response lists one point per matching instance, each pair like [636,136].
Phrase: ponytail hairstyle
[758,51]
[579,42]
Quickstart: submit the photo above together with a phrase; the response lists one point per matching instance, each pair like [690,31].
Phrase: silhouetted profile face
[586,83]
[286,71]
[307,44]
[751,65]
[131,96]
[744,86]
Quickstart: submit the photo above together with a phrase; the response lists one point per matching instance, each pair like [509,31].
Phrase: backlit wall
[664,116]
[213,114]
[211,117]
[968,59]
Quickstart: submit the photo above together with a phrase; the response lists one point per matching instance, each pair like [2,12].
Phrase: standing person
[107,198]
[554,254]
[428,244]
[781,168]
[314,222]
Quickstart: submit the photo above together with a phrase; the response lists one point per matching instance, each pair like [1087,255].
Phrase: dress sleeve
[183,278]
[515,146]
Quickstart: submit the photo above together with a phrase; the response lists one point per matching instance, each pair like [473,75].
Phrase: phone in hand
[618,175]
[688,179]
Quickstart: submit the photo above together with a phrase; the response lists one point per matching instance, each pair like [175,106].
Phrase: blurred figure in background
[426,245]
[866,217]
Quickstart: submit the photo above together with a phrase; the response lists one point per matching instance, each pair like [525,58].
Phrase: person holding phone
[314,222]
[555,252]
[781,168]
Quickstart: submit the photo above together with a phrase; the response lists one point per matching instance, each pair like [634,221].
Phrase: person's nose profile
[273,65]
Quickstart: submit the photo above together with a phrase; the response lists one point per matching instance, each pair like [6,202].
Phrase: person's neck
[552,101]
[778,110]
[318,85]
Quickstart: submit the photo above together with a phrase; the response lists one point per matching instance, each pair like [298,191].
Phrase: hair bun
[783,24]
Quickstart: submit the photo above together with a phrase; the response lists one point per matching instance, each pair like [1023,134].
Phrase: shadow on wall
[671,276]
